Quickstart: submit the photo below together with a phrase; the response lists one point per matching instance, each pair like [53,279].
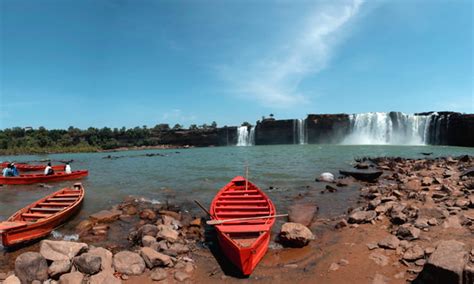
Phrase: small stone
[104,277]
[380,279]
[188,267]
[429,250]
[414,253]
[148,241]
[433,222]
[362,216]
[399,275]
[343,262]
[390,242]
[71,278]
[12,279]
[333,267]
[158,274]
[420,262]
[166,232]
[379,258]
[408,232]
[59,267]
[372,246]
[153,258]
[181,276]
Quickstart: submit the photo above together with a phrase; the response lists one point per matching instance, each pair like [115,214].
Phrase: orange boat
[244,242]
[37,178]
[22,167]
[38,219]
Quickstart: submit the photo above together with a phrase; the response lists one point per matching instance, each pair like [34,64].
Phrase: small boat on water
[243,242]
[39,178]
[22,167]
[38,219]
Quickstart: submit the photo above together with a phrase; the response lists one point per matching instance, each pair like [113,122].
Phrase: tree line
[18,140]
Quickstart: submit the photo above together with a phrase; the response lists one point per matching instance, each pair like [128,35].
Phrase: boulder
[71,278]
[147,230]
[153,258]
[12,279]
[128,262]
[362,217]
[446,264]
[413,185]
[59,267]
[408,232]
[105,216]
[390,242]
[181,276]
[61,250]
[302,213]
[166,232]
[88,263]
[106,258]
[148,214]
[104,277]
[295,235]
[31,266]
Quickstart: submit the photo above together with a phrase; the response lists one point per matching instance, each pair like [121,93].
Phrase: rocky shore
[414,222]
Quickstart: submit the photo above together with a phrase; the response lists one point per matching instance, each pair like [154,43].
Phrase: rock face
[129,263]
[327,128]
[31,266]
[61,250]
[270,132]
[446,264]
[295,235]
[302,213]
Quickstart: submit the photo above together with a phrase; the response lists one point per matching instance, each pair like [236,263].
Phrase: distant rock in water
[363,175]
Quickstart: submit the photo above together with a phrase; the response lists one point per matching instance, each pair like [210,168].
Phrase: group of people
[10,171]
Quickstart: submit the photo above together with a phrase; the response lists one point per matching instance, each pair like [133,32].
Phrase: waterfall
[299,130]
[390,128]
[245,137]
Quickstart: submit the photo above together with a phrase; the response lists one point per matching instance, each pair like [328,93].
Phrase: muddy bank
[409,224]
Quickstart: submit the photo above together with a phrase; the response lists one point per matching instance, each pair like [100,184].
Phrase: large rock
[153,258]
[295,235]
[59,267]
[362,216]
[88,263]
[104,277]
[105,216]
[105,256]
[445,265]
[129,263]
[71,278]
[31,266]
[61,250]
[302,213]
[166,232]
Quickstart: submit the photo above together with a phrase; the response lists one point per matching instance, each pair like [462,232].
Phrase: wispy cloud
[274,80]
[177,116]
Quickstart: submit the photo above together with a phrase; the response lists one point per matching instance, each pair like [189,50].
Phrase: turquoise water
[283,171]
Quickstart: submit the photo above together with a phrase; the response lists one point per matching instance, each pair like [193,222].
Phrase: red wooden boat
[243,242]
[38,219]
[37,178]
[22,167]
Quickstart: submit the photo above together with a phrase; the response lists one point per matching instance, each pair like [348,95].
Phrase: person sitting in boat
[67,168]
[14,170]
[48,170]
[7,171]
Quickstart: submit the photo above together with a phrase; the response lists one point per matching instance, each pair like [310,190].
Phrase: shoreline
[398,225]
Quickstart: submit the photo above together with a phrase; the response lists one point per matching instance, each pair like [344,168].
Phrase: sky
[131,63]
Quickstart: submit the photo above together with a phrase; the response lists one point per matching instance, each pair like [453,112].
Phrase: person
[14,170]
[7,171]
[67,169]
[48,170]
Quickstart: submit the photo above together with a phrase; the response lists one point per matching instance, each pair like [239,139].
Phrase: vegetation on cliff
[19,140]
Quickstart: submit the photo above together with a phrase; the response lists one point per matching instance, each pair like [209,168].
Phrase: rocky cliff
[327,128]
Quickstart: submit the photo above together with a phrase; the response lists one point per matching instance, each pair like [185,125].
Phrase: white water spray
[245,137]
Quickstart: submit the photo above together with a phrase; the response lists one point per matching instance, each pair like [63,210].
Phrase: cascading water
[389,128]
[299,130]
[245,137]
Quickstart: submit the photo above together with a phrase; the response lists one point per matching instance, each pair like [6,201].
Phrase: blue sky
[142,62]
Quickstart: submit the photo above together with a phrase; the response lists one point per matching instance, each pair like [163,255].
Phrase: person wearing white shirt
[48,170]
[67,169]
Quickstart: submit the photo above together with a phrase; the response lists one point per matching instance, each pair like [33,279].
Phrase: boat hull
[32,168]
[38,219]
[41,178]
[243,242]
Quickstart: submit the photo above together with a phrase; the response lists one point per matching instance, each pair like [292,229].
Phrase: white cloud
[177,116]
[274,80]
